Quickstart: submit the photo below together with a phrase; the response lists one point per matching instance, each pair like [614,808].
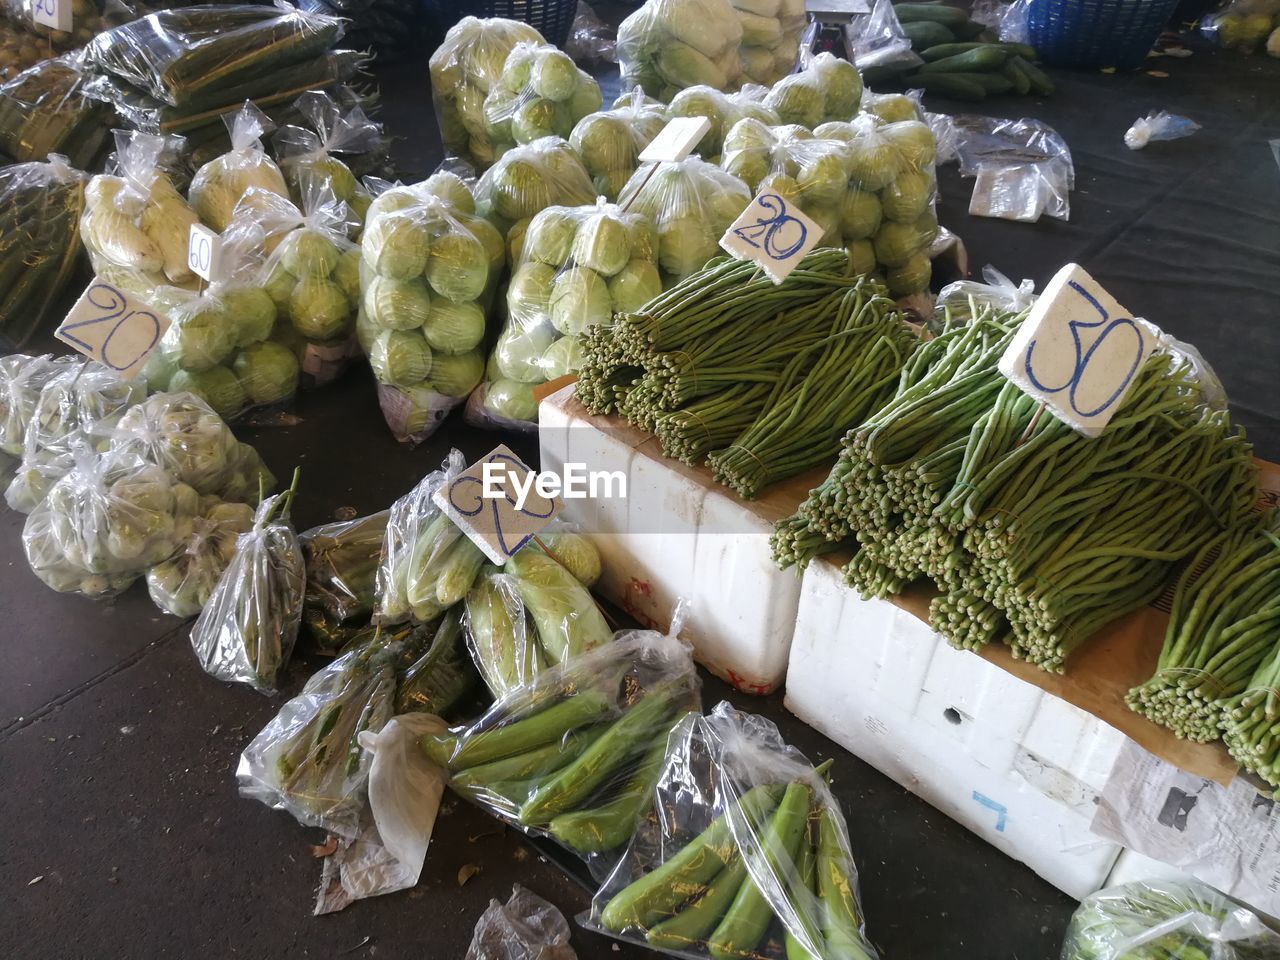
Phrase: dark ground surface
[123,835]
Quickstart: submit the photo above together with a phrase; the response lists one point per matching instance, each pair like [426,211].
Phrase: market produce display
[529,178]
[88,18]
[40,207]
[748,855]
[957,479]
[722,110]
[668,45]
[183,584]
[609,141]
[465,69]
[45,110]
[220,184]
[576,268]
[759,380]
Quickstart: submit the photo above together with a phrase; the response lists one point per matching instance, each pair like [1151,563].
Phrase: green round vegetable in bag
[267,372]
[456,375]
[454,328]
[511,400]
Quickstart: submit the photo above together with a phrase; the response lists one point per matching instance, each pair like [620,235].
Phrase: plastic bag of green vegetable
[342,565]
[668,45]
[247,630]
[183,584]
[219,185]
[465,68]
[575,753]
[22,378]
[746,854]
[1158,919]
[771,35]
[529,178]
[723,110]
[609,141]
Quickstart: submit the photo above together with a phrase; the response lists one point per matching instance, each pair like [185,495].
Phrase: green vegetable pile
[1036,536]
[465,69]
[747,857]
[609,141]
[870,184]
[960,63]
[760,380]
[668,45]
[528,179]
[540,93]
[576,268]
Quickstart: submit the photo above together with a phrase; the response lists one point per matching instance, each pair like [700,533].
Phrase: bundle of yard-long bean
[1224,624]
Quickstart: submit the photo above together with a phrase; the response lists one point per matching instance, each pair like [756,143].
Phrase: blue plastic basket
[1096,33]
[552,18]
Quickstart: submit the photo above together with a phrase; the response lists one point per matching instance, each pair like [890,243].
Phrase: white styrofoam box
[1016,765]
[678,535]
[1131,866]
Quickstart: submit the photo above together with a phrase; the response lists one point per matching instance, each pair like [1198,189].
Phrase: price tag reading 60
[204,252]
[107,326]
[773,233]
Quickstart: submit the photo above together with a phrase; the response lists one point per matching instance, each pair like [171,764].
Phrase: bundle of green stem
[1035,535]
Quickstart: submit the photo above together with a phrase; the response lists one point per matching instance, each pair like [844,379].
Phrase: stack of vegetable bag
[576,268]
[310,153]
[746,853]
[690,204]
[426,275]
[178,71]
[668,45]
[342,564]
[465,69]
[134,219]
[44,110]
[723,110]
[771,32]
[575,753]
[827,89]
[40,207]
[540,93]
[219,185]
[21,380]
[609,141]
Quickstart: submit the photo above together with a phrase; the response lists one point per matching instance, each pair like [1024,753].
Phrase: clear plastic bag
[1022,168]
[183,584]
[45,110]
[464,69]
[609,141]
[827,89]
[540,93]
[40,207]
[574,754]
[218,186]
[530,178]
[1244,25]
[442,681]
[1154,919]
[771,33]
[105,522]
[526,927]
[1007,20]
[745,855]
[134,218]
[22,378]
[723,110]
[342,565]
[1158,126]
[876,39]
[893,107]
[690,203]
[591,40]
[965,299]
[668,45]
[427,274]
[247,630]
[576,268]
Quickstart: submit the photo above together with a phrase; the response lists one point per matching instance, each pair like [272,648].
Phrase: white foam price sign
[676,140]
[106,325]
[1078,351]
[204,251]
[773,233]
[55,14]
[496,503]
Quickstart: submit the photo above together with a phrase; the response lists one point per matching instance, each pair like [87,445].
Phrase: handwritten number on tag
[111,301]
[770,232]
[470,507]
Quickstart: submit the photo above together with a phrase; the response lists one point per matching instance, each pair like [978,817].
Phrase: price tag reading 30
[55,14]
[774,234]
[1079,351]
[204,252]
[107,326]
[497,504]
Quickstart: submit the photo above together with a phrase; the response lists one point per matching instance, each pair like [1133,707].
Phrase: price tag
[55,14]
[676,140]
[1078,351]
[496,503]
[204,252]
[773,233]
[107,325]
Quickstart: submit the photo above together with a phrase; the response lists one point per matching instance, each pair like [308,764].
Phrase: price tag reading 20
[107,326]
[54,14]
[773,233]
[1079,351]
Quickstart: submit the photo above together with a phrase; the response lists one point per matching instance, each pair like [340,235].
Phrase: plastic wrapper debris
[183,584]
[78,408]
[342,565]
[308,154]
[540,93]
[45,110]
[1022,169]
[668,45]
[1158,126]
[191,56]
[426,277]
[876,39]
[40,207]
[529,178]
[574,754]
[591,40]
[465,68]
[134,218]
[745,855]
[247,630]
[690,204]
[526,927]
[1152,920]
[1008,20]
[723,110]
[576,267]
[609,141]
[218,186]
[22,378]
[105,522]
[771,34]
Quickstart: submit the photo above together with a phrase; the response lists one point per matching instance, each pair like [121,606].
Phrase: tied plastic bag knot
[1158,126]
[247,126]
[61,170]
[526,927]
